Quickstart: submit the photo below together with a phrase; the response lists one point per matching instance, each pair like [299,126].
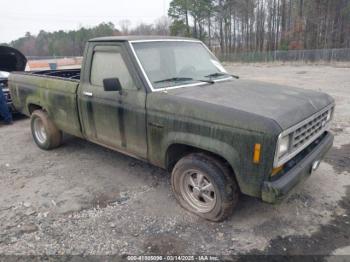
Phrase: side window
[109,64]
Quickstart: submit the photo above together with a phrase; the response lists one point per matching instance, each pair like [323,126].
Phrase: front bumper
[11,107]
[9,100]
[273,191]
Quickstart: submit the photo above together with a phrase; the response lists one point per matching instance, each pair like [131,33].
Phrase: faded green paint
[227,118]
[117,120]
[56,96]
[213,129]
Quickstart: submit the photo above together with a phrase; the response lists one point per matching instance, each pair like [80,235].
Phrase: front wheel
[46,135]
[204,186]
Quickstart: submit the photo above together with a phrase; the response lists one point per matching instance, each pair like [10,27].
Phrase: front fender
[222,149]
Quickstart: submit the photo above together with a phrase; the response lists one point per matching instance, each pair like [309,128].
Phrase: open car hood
[11,59]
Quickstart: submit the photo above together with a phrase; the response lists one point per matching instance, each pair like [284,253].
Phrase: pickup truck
[170,102]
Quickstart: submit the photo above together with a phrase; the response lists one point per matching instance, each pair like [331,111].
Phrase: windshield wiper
[221,74]
[179,79]
[174,79]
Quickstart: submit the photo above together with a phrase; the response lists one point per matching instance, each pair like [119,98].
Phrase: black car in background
[10,60]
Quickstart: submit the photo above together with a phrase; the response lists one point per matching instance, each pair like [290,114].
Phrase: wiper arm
[174,79]
[221,74]
[179,79]
[206,81]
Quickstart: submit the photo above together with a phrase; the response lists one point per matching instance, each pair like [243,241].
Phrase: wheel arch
[223,152]
[32,107]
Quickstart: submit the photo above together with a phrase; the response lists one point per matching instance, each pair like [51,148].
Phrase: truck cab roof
[139,38]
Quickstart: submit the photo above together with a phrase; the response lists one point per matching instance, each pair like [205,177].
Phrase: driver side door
[115,119]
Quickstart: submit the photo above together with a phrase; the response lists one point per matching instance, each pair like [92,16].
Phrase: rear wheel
[204,186]
[46,135]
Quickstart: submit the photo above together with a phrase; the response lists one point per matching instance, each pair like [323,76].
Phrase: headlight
[283,145]
[329,115]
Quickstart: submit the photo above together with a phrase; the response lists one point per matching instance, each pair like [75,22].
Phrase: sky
[20,16]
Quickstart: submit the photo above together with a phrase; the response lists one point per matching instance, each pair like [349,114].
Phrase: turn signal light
[257,152]
[276,170]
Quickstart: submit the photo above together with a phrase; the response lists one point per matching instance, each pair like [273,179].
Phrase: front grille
[304,133]
[7,96]
[307,131]
[6,91]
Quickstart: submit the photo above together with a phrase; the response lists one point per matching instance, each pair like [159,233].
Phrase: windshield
[177,63]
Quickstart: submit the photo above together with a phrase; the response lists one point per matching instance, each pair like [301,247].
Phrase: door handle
[155,125]
[87,93]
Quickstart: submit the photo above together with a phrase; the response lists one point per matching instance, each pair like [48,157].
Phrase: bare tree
[124,26]
[162,25]
[258,25]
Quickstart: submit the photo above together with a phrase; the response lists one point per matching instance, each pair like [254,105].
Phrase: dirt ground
[84,199]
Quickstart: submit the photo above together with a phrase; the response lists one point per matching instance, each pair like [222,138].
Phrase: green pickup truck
[170,102]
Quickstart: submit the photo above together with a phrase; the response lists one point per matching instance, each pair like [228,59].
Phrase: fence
[318,55]
[53,63]
[49,57]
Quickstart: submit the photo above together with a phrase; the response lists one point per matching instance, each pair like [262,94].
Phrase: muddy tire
[46,135]
[205,186]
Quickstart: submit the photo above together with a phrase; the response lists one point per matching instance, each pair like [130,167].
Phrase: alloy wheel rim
[39,131]
[198,191]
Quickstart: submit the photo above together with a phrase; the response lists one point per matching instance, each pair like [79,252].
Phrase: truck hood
[285,105]
[11,59]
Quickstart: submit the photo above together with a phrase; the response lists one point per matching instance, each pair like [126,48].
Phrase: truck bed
[55,91]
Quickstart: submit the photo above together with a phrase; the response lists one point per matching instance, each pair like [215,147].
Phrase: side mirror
[112,84]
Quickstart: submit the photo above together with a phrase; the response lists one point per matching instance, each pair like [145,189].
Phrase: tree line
[61,43]
[72,43]
[227,26]
[263,25]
